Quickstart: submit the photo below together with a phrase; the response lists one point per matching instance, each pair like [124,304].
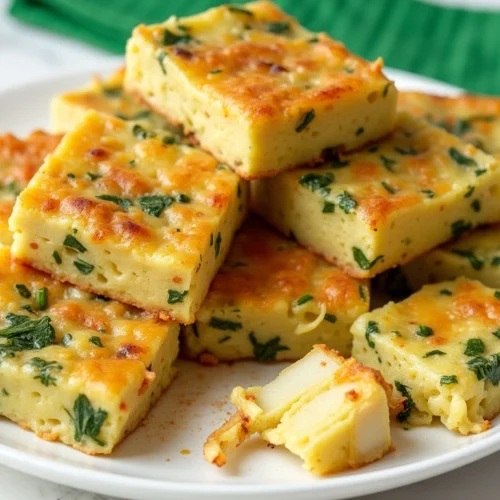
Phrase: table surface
[51,54]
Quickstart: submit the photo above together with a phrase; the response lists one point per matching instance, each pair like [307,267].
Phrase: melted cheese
[365,210]
[422,342]
[118,358]
[475,119]
[271,287]
[252,73]
[170,254]
[104,95]
[19,160]
[332,413]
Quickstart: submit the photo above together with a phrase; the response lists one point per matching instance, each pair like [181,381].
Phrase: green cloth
[454,45]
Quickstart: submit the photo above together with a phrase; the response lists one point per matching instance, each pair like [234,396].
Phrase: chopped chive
[42,298]
[71,242]
[306,119]
[305,298]
[57,257]
[23,291]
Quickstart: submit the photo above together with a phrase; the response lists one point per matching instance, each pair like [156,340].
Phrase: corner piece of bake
[273,300]
[256,89]
[331,412]
[387,203]
[76,367]
[440,348]
[125,211]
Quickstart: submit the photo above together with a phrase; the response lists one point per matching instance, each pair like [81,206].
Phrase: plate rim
[106,482]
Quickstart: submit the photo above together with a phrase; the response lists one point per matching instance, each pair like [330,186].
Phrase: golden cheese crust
[253,69]
[473,118]
[375,200]
[270,286]
[19,160]
[105,95]
[439,348]
[137,199]
[62,348]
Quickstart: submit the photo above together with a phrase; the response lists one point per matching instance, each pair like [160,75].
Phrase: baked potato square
[256,89]
[126,212]
[388,203]
[273,300]
[440,349]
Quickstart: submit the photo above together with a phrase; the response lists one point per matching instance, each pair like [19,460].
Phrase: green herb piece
[460,226]
[388,187]
[25,334]
[168,140]
[86,420]
[215,71]
[428,192]
[124,203]
[305,298]
[346,202]
[27,307]
[83,267]
[497,294]
[480,171]
[170,38]
[406,151]
[496,333]
[45,370]
[331,318]
[476,205]
[223,324]
[388,163]
[360,131]
[386,89]
[224,339]
[487,369]
[184,198]
[218,242]
[42,298]
[23,291]
[361,290]
[71,176]
[5,392]
[95,340]
[141,133]
[278,27]
[306,119]
[160,58]
[316,181]
[92,177]
[424,331]
[448,379]
[362,260]
[460,127]
[474,347]
[141,115]
[328,207]
[371,328]
[155,204]
[461,159]
[408,404]
[267,351]
[66,340]
[469,192]
[57,257]
[236,9]
[71,242]
[475,262]
[435,352]
[337,162]
[445,292]
[495,261]
[175,297]
[211,240]
[112,91]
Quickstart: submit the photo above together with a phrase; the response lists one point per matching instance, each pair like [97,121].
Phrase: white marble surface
[27,54]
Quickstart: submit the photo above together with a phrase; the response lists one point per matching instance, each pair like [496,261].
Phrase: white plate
[153,463]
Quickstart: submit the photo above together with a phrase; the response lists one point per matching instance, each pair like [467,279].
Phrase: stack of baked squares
[140,220]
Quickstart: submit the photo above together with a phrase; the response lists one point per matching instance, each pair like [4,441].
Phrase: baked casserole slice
[124,211]
[440,348]
[256,89]
[273,300]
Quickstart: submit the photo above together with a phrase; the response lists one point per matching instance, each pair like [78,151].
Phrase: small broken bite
[331,412]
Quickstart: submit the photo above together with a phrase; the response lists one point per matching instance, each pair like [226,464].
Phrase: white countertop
[25,61]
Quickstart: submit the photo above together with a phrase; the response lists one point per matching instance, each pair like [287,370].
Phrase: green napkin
[454,45]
